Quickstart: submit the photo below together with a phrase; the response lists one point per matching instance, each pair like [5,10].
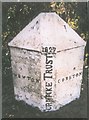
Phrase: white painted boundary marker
[47,63]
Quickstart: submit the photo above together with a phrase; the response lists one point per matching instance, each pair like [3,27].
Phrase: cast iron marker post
[47,63]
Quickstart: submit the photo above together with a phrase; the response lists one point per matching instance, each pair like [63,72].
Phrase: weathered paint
[47,63]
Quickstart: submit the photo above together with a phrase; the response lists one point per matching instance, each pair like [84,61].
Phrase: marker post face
[47,63]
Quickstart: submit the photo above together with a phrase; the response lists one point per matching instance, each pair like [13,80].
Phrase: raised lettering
[48,106]
[48,84]
[23,76]
[49,62]
[47,76]
[48,89]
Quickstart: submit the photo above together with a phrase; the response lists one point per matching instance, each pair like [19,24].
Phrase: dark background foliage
[15,16]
